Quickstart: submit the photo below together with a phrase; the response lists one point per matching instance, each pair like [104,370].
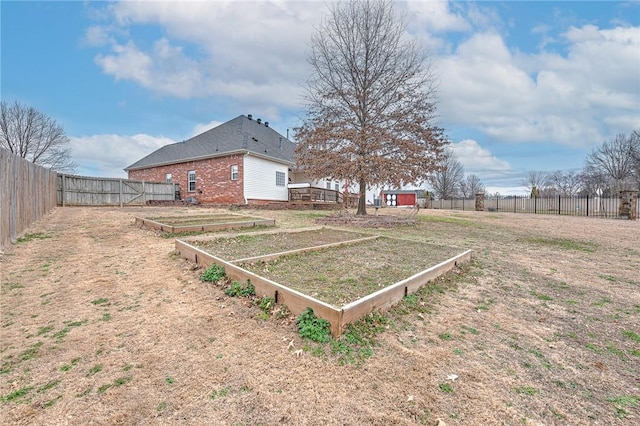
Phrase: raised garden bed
[273,242]
[202,223]
[342,279]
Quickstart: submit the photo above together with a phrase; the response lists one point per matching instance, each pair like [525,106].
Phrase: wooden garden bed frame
[205,227]
[298,302]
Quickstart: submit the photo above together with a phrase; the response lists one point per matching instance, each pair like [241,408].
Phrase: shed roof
[243,134]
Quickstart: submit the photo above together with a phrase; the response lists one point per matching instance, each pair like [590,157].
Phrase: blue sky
[522,85]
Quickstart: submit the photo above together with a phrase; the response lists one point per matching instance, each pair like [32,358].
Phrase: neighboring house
[240,161]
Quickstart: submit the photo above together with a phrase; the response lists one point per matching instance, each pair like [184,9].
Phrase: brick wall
[213,179]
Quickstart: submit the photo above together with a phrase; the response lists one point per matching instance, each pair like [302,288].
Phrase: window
[167,177]
[337,186]
[192,180]
[234,172]
[327,184]
[279,178]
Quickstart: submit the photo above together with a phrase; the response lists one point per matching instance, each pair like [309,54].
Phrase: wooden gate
[91,191]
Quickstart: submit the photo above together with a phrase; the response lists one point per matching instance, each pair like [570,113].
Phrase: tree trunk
[362,201]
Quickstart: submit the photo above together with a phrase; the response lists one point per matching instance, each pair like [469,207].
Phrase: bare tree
[535,182]
[615,160]
[446,181]
[370,102]
[565,183]
[34,136]
[471,185]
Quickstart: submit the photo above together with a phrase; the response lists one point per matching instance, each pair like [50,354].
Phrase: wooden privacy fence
[92,191]
[27,192]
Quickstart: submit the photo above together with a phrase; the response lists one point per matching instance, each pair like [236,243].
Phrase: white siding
[260,179]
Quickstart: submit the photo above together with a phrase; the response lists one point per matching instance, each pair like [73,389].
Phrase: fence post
[587,205]
[497,203]
[120,192]
[628,203]
[64,189]
[535,205]
[480,201]
[559,205]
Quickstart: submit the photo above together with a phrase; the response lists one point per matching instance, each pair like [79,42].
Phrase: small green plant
[445,336]
[100,301]
[51,402]
[51,384]
[31,352]
[213,274]
[162,406]
[6,286]
[445,387]
[622,402]
[313,328]
[106,316]
[18,394]
[169,380]
[103,388]
[526,390]
[219,393]
[267,303]
[44,330]
[632,335]
[237,290]
[32,236]
[95,370]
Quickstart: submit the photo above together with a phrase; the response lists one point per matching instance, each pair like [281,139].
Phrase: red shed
[399,198]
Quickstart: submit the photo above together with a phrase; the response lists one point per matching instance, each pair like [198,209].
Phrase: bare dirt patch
[100,323]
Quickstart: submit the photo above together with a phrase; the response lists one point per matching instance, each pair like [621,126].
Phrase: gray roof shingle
[242,134]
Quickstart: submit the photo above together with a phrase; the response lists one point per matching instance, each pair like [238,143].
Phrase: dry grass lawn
[100,323]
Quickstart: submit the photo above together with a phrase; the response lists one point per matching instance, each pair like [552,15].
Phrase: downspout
[244,180]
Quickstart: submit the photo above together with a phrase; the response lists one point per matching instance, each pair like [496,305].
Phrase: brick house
[242,161]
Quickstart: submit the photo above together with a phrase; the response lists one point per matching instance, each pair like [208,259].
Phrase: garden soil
[101,323]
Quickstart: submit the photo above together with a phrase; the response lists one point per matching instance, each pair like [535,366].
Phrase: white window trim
[189,173]
[235,174]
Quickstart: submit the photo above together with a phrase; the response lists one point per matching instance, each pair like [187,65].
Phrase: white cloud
[477,159]
[576,99]
[201,128]
[97,35]
[107,155]
[242,50]
[437,16]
